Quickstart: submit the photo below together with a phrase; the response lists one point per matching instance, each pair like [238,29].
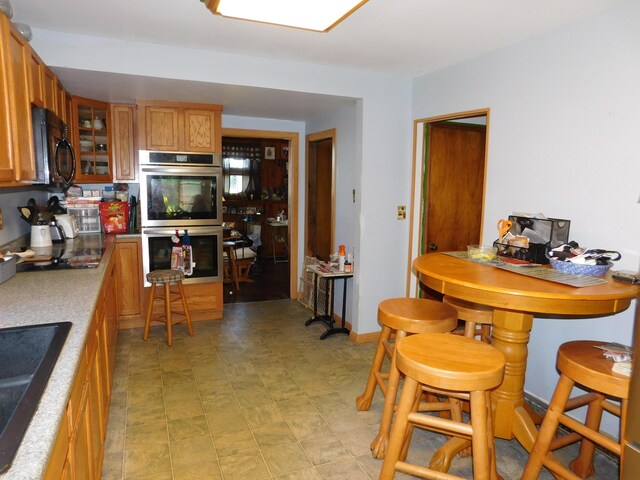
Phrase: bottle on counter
[342,257]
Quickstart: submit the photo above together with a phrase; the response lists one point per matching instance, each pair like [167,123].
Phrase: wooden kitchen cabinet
[49,88]
[181,127]
[123,142]
[92,122]
[78,451]
[129,267]
[36,90]
[17,159]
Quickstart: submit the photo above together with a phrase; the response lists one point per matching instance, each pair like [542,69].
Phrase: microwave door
[64,166]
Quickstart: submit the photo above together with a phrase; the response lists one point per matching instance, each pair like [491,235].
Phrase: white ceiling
[398,37]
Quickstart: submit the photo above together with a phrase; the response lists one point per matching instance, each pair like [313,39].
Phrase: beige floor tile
[226,422]
[347,469]
[244,466]
[190,407]
[184,428]
[284,391]
[324,449]
[286,459]
[180,392]
[305,474]
[145,413]
[192,450]
[263,414]
[233,443]
[306,426]
[144,395]
[147,460]
[113,465]
[181,376]
[273,434]
[208,470]
[152,433]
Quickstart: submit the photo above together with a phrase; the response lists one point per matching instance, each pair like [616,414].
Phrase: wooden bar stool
[453,364]
[166,278]
[404,316]
[477,318]
[579,362]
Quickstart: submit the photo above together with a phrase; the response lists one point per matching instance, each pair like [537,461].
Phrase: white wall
[564,140]
[348,178]
[383,126]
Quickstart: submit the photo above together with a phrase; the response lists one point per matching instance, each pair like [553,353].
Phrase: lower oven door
[206,245]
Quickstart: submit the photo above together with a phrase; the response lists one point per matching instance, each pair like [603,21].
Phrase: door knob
[433,247]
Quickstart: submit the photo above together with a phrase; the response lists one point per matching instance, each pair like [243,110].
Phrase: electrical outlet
[402,212]
[1,222]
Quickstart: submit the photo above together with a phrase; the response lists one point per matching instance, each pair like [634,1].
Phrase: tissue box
[7,269]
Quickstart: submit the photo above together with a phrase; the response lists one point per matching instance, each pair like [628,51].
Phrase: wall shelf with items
[92,125]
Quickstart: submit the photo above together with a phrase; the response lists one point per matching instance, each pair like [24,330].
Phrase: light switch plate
[402,212]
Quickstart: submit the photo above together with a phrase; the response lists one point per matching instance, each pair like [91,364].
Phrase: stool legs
[147,322]
[183,297]
[582,465]
[363,401]
[379,444]
[548,429]
[407,399]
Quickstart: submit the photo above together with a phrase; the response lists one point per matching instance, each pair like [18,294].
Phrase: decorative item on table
[114,217]
[482,254]
[530,236]
[571,258]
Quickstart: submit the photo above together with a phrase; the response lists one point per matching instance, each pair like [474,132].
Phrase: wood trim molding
[417,172]
[294,145]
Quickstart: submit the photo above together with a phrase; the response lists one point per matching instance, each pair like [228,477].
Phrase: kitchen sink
[27,357]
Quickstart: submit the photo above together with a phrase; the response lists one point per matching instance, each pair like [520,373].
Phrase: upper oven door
[180,196]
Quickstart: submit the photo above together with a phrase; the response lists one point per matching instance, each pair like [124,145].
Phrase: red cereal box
[114,217]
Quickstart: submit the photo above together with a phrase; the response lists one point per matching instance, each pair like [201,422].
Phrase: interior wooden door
[455,157]
[319,199]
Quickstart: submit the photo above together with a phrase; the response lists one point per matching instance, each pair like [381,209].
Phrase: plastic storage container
[88,218]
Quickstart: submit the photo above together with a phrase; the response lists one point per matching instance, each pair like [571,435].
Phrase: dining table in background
[516,299]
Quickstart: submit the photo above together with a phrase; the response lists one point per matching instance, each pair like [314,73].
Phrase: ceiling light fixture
[318,15]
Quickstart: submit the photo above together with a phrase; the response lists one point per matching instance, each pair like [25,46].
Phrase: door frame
[417,185]
[314,137]
[292,191]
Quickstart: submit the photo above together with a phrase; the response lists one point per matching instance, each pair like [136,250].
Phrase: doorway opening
[260,210]
[320,195]
[448,185]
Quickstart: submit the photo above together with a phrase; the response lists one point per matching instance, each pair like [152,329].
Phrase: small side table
[327,319]
[279,238]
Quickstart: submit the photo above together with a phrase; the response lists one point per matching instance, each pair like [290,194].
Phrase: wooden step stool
[459,366]
[579,362]
[404,316]
[166,278]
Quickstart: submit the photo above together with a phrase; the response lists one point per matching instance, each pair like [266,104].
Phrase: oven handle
[193,231]
[182,170]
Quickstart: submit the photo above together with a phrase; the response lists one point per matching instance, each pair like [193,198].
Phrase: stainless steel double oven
[181,192]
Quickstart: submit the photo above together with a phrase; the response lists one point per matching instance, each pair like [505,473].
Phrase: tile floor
[256,396]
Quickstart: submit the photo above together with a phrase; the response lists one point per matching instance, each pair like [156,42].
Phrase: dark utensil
[53,206]
[32,203]
[25,214]
[33,217]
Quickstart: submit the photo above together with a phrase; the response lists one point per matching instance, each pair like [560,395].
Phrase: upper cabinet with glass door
[92,140]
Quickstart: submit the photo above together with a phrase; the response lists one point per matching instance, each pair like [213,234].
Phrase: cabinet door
[161,128]
[61,106]
[17,49]
[49,85]
[80,451]
[124,156]
[129,277]
[92,120]
[7,173]
[199,126]
[35,75]
[96,406]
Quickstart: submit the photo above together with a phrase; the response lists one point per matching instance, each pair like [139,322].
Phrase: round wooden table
[515,299]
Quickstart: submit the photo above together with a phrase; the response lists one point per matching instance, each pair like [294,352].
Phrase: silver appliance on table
[182,191]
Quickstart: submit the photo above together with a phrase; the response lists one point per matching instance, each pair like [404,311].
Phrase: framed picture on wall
[270,153]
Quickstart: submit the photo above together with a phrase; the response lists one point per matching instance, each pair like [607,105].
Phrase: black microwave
[54,157]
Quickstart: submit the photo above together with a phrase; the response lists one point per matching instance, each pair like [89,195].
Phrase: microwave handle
[56,163]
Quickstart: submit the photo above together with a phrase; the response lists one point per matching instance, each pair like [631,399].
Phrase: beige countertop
[46,297]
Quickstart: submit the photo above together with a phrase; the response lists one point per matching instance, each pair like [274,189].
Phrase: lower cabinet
[79,446]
